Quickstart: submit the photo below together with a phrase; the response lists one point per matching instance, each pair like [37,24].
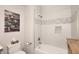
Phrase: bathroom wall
[37,33]
[29,28]
[55,11]
[75,22]
[56,16]
[37,20]
[26,33]
[49,36]
[5,38]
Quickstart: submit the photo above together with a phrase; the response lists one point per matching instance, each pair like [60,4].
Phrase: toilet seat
[19,52]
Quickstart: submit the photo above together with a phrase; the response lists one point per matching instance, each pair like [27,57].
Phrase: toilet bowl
[15,49]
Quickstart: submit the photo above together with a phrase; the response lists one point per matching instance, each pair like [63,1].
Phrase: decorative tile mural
[53,21]
[12,21]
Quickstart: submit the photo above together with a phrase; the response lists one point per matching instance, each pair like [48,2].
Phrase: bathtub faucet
[39,41]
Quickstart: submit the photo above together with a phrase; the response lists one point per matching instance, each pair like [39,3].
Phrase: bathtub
[48,49]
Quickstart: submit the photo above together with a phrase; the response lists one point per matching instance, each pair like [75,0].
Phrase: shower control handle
[29,43]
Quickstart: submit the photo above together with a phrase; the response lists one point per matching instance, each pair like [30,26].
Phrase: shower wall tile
[53,21]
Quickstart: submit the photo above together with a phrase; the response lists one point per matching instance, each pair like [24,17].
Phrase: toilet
[15,49]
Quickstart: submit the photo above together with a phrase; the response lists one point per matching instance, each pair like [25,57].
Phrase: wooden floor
[73,46]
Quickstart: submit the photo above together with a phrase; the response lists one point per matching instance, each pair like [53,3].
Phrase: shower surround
[45,27]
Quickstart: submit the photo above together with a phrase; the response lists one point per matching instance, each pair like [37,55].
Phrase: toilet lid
[19,52]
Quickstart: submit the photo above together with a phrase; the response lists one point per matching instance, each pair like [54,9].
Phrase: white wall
[55,11]
[75,23]
[5,38]
[26,33]
[29,28]
[37,33]
[48,34]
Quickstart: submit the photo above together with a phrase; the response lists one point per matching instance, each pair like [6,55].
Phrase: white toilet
[15,49]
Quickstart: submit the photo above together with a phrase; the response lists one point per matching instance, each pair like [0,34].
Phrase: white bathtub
[48,49]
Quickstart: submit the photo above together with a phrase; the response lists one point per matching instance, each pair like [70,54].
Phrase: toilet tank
[12,48]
